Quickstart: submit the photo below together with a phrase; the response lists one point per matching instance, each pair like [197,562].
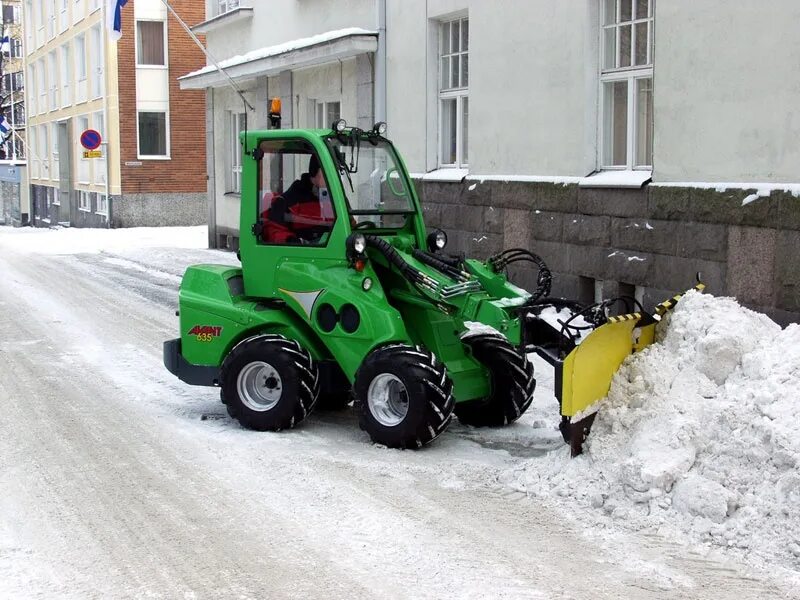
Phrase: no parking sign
[90,139]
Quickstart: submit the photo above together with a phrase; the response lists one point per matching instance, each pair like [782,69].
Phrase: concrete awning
[304,52]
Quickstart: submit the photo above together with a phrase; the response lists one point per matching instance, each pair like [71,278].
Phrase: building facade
[630,143]
[14,198]
[317,57]
[151,169]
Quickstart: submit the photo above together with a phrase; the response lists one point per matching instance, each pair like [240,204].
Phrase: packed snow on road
[117,480]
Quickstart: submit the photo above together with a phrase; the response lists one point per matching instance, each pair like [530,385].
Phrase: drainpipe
[380,64]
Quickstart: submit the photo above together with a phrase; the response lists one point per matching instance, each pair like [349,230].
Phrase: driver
[303,212]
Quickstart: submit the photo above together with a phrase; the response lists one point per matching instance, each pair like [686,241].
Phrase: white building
[624,140]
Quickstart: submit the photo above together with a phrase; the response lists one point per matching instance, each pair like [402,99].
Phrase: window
[80,68]
[237,124]
[626,84]
[327,113]
[293,195]
[224,6]
[44,152]
[62,16]
[80,56]
[54,149]
[52,74]
[28,26]
[16,48]
[102,204]
[19,114]
[40,68]
[51,19]
[153,138]
[453,93]
[85,201]
[150,43]
[97,61]
[31,88]
[34,158]
[11,14]
[66,76]
[56,197]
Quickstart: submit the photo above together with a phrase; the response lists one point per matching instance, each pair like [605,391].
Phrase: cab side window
[295,207]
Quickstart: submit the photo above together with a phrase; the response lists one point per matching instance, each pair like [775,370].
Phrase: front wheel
[269,383]
[403,395]
[511,380]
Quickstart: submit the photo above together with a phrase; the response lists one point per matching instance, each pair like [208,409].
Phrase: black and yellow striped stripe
[621,318]
[668,305]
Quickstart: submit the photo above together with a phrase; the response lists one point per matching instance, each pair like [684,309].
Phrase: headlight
[379,128]
[356,245]
[339,126]
[437,240]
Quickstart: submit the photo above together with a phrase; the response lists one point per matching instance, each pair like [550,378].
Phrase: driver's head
[315,171]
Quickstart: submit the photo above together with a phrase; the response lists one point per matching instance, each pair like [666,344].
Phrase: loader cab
[293,214]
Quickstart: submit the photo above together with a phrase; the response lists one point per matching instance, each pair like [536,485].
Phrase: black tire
[424,388]
[290,388]
[511,379]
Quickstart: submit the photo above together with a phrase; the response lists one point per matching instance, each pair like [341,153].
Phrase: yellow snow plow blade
[589,368]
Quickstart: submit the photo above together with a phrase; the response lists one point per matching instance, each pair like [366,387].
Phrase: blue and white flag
[5,126]
[114,18]
[5,44]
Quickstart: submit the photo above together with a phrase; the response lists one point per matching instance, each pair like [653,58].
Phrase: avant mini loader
[343,294]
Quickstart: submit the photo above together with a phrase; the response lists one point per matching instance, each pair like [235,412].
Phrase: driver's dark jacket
[297,214]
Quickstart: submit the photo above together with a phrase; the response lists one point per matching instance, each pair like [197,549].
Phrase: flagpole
[208,54]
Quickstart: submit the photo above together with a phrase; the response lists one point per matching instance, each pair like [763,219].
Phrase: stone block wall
[656,238]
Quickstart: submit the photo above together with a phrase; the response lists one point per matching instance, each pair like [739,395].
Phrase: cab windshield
[375,189]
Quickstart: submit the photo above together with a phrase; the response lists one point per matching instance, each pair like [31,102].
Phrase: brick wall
[186,171]
[656,238]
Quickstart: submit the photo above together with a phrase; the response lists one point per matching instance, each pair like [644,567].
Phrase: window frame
[460,94]
[630,74]
[164,25]
[320,123]
[84,206]
[230,6]
[260,242]
[139,154]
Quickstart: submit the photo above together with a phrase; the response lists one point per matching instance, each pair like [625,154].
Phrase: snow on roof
[279,49]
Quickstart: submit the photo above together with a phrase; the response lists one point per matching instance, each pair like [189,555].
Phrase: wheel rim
[387,399]
[260,386]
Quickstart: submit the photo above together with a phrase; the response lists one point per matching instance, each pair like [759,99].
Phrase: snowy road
[118,481]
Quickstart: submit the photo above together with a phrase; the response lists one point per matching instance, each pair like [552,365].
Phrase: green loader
[343,295]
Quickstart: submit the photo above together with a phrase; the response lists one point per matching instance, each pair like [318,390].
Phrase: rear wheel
[269,383]
[403,396]
[512,383]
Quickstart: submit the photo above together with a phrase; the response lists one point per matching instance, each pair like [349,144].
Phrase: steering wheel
[365,225]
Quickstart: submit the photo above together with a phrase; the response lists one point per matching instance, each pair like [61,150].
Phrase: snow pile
[698,435]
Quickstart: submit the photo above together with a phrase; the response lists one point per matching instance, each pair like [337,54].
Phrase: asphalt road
[117,481]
